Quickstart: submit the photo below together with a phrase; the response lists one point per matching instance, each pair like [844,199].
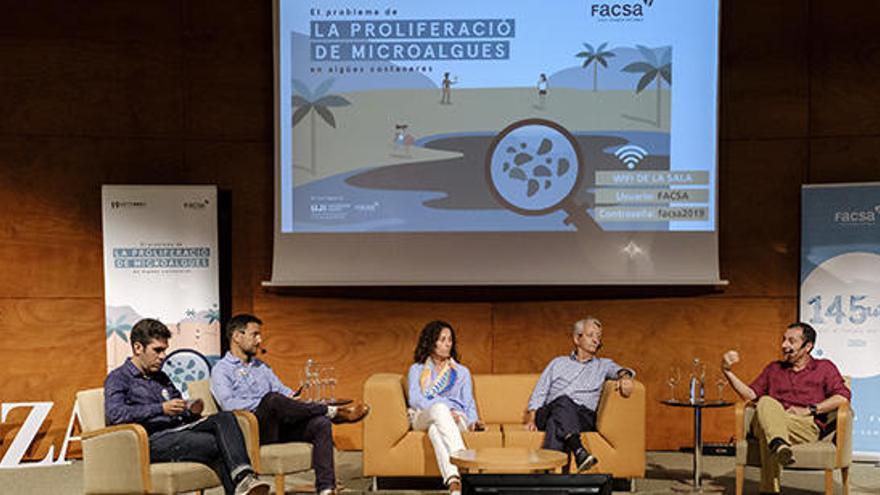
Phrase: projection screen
[490,142]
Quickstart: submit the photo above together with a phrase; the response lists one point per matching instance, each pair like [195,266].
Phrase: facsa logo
[620,11]
[195,205]
[857,217]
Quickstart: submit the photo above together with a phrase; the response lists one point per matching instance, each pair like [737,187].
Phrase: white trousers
[445,435]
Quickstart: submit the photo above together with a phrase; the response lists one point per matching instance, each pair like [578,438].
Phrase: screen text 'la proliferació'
[419,39]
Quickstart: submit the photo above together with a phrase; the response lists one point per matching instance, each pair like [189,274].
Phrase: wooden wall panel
[764,66]
[51,213]
[845,66]
[48,355]
[157,21]
[759,216]
[845,159]
[90,87]
[229,67]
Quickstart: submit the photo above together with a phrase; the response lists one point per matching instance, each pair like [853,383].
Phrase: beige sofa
[392,448]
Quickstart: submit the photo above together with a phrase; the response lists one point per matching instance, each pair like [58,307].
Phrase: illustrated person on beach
[446,89]
[543,86]
[402,141]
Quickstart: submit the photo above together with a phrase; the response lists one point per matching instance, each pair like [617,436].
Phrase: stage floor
[663,469]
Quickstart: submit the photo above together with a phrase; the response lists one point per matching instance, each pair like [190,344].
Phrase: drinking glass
[673,380]
[305,389]
[720,383]
[316,383]
[331,383]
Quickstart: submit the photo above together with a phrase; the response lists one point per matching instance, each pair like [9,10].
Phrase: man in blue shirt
[241,381]
[565,398]
[139,392]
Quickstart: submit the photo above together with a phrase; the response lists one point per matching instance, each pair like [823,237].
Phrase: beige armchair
[278,459]
[116,459]
[834,451]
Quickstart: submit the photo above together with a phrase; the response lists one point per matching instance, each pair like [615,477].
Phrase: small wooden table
[509,460]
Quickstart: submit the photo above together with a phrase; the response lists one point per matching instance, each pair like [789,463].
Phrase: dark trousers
[283,419]
[216,441]
[562,417]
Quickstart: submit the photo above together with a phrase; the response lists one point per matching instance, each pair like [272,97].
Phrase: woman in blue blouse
[441,398]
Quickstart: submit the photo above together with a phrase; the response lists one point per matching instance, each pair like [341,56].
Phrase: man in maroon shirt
[793,398]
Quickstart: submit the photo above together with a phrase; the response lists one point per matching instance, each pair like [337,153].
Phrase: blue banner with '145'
[840,293]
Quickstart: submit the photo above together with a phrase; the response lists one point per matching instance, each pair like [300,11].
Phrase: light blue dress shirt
[239,385]
[581,382]
[459,397]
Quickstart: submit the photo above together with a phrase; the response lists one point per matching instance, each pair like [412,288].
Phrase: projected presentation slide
[491,116]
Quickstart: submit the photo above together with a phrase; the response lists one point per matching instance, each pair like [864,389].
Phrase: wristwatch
[813,410]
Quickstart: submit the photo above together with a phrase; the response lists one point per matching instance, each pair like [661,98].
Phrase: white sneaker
[455,486]
[251,485]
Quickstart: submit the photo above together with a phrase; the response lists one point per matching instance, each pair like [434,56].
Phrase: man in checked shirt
[564,401]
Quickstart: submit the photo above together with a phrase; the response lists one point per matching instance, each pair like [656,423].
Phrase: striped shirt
[581,382]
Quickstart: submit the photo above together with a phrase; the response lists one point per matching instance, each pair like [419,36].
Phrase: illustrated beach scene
[380,150]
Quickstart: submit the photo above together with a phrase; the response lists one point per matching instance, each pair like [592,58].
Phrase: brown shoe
[351,413]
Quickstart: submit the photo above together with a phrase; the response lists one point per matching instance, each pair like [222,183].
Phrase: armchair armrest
[250,429]
[741,431]
[117,459]
[387,422]
[621,420]
[843,440]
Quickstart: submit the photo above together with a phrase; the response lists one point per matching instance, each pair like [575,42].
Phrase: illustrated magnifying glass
[535,167]
[184,366]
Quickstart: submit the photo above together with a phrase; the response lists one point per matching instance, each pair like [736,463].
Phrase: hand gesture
[173,407]
[197,406]
[729,359]
[625,386]
[477,426]
[529,421]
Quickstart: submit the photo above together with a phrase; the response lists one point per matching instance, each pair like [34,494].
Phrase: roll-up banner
[160,261]
[840,294]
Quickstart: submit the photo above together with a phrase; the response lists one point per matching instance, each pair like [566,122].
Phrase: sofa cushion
[283,458]
[503,398]
[178,477]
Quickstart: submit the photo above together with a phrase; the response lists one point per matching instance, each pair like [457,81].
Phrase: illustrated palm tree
[119,327]
[653,68]
[310,103]
[599,56]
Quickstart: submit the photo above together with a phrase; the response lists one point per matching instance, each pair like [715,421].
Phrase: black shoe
[781,451]
[584,460]
[572,442]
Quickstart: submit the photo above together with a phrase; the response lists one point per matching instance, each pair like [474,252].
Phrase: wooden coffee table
[509,460]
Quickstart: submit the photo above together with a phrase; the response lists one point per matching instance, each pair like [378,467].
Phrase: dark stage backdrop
[180,92]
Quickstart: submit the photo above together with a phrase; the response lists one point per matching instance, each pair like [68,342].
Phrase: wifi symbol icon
[631,155]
